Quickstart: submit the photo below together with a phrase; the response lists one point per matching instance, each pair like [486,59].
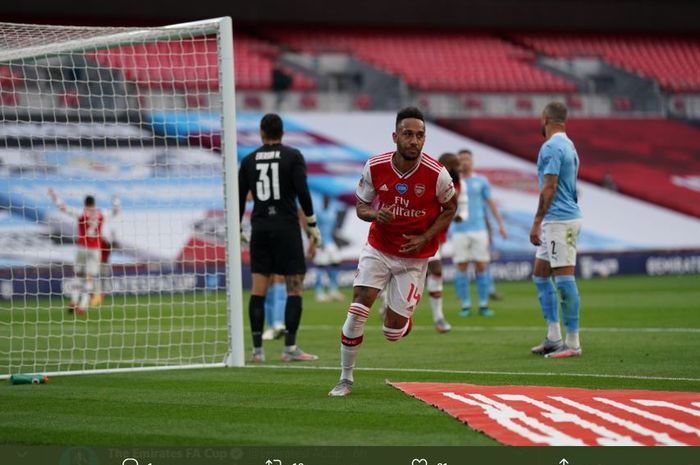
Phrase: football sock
[75,291]
[351,338]
[435,291]
[270,305]
[320,271]
[256,312]
[572,340]
[85,294]
[570,302]
[553,331]
[333,272]
[492,283]
[547,295]
[482,289]
[280,305]
[462,288]
[292,317]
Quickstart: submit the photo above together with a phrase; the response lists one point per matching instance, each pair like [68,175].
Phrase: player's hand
[311,251]
[503,232]
[413,244]
[314,235]
[52,193]
[385,214]
[245,238]
[535,233]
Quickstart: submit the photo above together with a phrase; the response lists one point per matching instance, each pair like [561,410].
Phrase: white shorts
[401,278]
[559,243]
[327,255]
[87,261]
[471,247]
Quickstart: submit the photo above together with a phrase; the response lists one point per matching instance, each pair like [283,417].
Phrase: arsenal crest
[419,189]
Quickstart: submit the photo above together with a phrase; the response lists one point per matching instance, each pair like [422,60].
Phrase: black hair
[409,112]
[446,156]
[272,126]
[89,201]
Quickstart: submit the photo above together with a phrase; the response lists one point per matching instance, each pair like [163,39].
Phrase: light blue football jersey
[558,156]
[478,192]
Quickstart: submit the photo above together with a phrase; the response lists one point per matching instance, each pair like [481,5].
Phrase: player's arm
[243,189]
[301,187]
[462,205]
[549,187]
[448,201]
[58,201]
[499,219]
[116,208]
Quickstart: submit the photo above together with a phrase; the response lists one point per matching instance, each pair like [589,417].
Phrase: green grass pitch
[637,333]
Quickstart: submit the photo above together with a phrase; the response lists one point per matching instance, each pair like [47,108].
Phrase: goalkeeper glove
[312,231]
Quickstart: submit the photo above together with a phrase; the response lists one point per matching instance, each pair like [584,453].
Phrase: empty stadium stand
[656,160]
[673,61]
[161,64]
[433,60]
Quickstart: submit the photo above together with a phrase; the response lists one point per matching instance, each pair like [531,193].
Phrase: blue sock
[270,305]
[333,278]
[570,301]
[492,283]
[547,295]
[482,288]
[280,303]
[462,288]
[319,280]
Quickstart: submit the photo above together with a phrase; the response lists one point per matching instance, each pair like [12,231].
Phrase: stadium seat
[646,156]
[673,61]
[449,61]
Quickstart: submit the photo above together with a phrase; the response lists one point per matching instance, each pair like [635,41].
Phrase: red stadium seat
[434,61]
[644,155]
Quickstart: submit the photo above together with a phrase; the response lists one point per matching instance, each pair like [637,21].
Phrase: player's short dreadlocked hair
[409,112]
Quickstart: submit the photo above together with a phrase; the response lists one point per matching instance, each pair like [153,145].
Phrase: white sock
[572,341]
[290,348]
[353,328]
[348,356]
[553,331]
[85,295]
[434,286]
[75,291]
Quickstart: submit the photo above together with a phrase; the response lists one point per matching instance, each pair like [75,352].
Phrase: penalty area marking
[480,372]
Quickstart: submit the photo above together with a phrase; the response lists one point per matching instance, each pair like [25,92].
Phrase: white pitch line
[478,372]
[526,328]
[85,325]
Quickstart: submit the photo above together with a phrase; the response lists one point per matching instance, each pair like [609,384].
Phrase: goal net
[142,121]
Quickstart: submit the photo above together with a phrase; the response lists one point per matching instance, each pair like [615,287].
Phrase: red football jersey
[90,228]
[416,197]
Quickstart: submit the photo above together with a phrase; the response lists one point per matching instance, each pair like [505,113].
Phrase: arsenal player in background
[88,247]
[409,198]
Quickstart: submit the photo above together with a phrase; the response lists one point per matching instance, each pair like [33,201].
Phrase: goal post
[143,121]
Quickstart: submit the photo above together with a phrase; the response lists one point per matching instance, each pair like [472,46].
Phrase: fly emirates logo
[401,208]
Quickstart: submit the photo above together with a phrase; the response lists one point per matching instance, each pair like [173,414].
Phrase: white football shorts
[559,242]
[471,246]
[401,278]
[87,261]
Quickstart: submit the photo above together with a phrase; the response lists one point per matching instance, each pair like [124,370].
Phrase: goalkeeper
[276,176]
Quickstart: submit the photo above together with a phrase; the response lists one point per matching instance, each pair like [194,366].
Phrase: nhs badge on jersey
[401,188]
[419,189]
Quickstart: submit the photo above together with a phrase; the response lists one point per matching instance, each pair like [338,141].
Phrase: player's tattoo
[295,284]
